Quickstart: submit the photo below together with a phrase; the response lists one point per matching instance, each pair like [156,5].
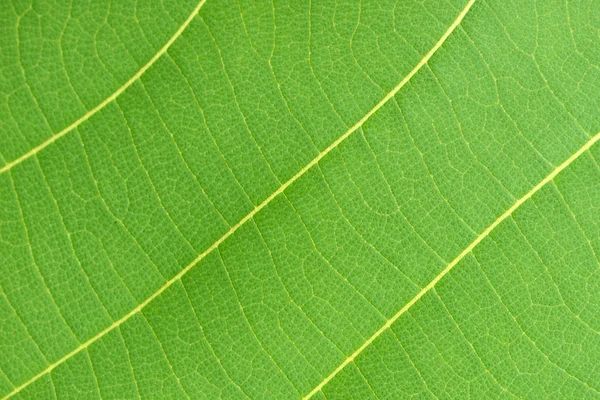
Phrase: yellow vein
[110,98]
[454,262]
[262,205]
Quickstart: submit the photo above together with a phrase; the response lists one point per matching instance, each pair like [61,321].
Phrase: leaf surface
[235,199]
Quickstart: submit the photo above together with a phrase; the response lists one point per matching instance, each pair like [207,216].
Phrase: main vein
[234,228]
[110,98]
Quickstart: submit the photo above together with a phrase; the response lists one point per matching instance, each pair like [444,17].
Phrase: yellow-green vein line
[250,215]
[454,262]
[110,98]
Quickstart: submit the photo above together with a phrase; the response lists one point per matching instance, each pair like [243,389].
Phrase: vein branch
[250,215]
[454,262]
[110,98]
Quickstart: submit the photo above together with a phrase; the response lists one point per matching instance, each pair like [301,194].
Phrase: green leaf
[300,199]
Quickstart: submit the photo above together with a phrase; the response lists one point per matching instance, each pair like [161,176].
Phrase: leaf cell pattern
[300,199]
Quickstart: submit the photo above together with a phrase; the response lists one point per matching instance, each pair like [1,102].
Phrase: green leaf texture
[288,199]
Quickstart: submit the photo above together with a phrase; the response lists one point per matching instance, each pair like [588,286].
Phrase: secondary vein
[250,215]
[110,98]
[454,262]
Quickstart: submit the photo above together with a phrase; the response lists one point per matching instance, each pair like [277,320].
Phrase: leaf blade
[353,238]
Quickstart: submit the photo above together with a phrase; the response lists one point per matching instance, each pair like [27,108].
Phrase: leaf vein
[256,209]
[454,262]
[109,99]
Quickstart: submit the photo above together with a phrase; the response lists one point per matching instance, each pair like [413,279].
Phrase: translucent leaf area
[294,199]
